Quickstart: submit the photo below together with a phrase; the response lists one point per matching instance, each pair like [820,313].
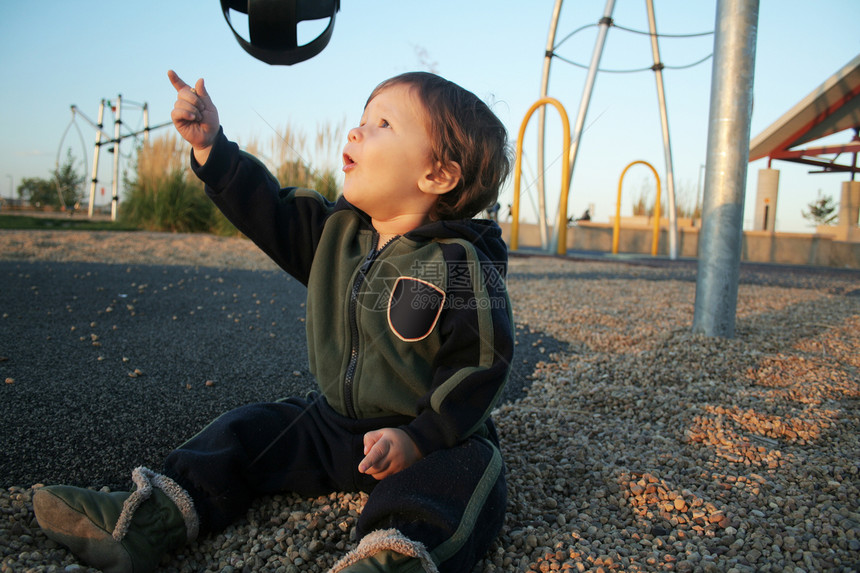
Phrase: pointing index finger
[177,82]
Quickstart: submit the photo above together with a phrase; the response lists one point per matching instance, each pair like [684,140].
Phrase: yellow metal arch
[616,231]
[565,176]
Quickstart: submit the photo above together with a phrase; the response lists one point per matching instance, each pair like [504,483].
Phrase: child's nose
[354,134]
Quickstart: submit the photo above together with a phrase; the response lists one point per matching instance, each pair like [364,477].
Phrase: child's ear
[443,178]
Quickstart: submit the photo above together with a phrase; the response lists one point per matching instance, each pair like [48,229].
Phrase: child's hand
[194,116]
[388,451]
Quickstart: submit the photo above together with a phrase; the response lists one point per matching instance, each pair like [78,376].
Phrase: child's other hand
[388,451]
[194,116]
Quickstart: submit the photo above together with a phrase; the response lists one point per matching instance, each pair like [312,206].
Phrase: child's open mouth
[348,162]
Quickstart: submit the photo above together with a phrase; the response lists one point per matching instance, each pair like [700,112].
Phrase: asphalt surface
[108,366]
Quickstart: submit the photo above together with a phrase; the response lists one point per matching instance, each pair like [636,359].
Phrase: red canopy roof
[832,107]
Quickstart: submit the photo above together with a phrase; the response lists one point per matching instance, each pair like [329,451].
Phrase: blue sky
[54,54]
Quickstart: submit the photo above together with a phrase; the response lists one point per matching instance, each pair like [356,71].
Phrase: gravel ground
[631,444]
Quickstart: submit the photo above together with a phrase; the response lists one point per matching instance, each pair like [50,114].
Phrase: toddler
[409,334]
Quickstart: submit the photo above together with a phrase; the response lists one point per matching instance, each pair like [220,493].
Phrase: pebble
[642,447]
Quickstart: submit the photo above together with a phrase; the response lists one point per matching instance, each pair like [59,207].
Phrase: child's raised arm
[194,116]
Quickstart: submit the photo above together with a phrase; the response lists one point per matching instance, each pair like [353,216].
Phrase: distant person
[409,335]
[493,212]
[585,216]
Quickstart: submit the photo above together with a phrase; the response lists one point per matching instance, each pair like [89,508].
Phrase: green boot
[119,532]
[386,551]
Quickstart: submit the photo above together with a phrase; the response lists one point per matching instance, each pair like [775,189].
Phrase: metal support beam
[725,175]
[579,126]
[145,123]
[541,163]
[114,210]
[664,122]
[95,177]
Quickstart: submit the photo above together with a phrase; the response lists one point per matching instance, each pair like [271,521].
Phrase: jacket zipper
[349,378]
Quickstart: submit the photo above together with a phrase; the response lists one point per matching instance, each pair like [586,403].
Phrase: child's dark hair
[463,129]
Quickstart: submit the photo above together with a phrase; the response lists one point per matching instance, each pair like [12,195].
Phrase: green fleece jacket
[420,327]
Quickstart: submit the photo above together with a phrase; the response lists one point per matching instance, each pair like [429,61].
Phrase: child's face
[388,157]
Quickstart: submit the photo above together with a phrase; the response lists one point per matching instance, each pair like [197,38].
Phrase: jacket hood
[484,234]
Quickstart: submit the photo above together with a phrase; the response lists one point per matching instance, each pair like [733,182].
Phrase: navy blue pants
[453,500]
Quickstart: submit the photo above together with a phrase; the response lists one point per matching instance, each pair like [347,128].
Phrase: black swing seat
[272,27]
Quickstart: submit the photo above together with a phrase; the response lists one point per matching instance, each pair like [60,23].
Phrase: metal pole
[547,61]
[664,121]
[726,167]
[145,123]
[95,177]
[115,187]
[699,189]
[854,163]
[605,22]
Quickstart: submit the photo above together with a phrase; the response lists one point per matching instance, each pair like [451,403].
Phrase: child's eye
[383,123]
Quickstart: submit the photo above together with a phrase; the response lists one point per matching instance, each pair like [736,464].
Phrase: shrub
[165,196]
[289,150]
[169,203]
[820,212]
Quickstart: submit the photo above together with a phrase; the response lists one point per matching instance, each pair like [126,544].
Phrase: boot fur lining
[390,539]
[144,478]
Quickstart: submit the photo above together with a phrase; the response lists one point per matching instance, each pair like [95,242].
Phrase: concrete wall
[758,246]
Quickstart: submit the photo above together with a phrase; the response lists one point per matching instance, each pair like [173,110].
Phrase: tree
[38,191]
[64,189]
[69,184]
[820,211]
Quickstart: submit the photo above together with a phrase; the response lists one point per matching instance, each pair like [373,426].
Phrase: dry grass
[166,196]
